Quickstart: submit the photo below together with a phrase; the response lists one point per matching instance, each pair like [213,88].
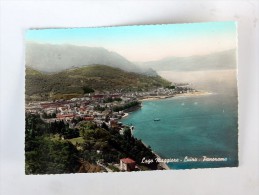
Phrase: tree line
[126,106]
[45,155]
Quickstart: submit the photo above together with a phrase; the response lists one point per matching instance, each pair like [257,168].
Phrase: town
[104,110]
[99,107]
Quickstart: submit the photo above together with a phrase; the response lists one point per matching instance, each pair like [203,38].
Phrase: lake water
[190,127]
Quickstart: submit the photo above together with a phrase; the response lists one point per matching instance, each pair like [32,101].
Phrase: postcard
[131,98]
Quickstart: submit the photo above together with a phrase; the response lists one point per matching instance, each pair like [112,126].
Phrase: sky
[146,42]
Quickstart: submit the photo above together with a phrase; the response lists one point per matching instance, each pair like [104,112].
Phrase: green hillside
[70,83]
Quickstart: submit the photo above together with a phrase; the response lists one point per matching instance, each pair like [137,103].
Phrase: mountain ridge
[56,58]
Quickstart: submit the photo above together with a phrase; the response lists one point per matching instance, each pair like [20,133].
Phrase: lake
[191,127]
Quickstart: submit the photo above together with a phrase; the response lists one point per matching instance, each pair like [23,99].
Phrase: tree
[50,157]
[127,134]
[87,89]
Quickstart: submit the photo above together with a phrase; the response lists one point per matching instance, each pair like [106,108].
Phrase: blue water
[190,126]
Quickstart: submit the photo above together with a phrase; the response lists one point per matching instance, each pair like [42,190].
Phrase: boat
[157,119]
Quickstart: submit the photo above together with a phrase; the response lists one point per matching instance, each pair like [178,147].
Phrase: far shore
[190,94]
[159,97]
[197,93]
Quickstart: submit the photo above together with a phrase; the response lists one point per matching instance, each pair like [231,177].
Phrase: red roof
[65,115]
[89,118]
[127,160]
[51,104]
[98,96]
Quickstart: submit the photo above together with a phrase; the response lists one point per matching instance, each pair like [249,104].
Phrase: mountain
[54,58]
[71,83]
[215,61]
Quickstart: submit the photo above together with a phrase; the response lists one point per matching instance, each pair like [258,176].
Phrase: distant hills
[52,58]
[70,83]
[215,61]
[62,71]
[55,58]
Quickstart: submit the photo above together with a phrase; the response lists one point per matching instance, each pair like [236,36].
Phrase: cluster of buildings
[97,108]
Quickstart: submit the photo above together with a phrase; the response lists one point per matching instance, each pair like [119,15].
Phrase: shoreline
[149,98]
[163,165]
[125,115]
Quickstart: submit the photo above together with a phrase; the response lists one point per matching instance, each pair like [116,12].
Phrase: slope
[54,58]
[42,86]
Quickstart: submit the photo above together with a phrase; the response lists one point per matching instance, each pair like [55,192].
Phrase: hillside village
[99,108]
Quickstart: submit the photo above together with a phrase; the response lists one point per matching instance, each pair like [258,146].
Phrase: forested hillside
[76,82]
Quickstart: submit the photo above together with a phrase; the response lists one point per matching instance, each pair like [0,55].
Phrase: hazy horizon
[146,42]
[216,81]
[55,58]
